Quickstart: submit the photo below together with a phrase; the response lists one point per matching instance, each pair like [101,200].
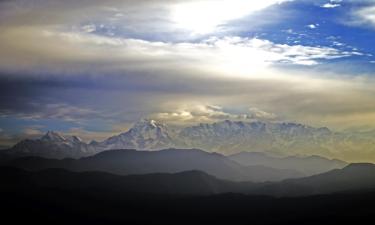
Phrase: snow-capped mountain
[226,137]
[52,145]
[229,137]
[144,135]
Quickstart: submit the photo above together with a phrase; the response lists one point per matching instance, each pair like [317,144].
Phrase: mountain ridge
[308,165]
[226,137]
[351,179]
[125,162]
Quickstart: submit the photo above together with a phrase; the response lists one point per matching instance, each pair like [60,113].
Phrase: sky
[92,68]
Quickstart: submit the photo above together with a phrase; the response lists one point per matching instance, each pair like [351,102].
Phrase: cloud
[116,36]
[61,111]
[192,114]
[88,28]
[255,113]
[363,16]
[29,132]
[32,131]
[132,18]
[312,26]
[332,4]
[209,15]
[75,52]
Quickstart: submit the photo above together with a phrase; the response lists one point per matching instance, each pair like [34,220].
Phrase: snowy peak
[56,137]
[53,136]
[146,123]
[53,145]
[225,137]
[148,129]
[229,137]
[146,134]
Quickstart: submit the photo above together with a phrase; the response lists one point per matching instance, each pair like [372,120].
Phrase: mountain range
[357,177]
[309,165]
[226,137]
[52,145]
[353,178]
[57,196]
[126,162]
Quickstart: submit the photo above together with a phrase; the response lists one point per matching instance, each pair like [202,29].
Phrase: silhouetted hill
[309,165]
[354,177]
[4,157]
[189,182]
[125,162]
[57,196]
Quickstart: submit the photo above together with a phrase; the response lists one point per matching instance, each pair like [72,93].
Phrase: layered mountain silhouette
[125,162]
[351,179]
[306,165]
[227,137]
[188,182]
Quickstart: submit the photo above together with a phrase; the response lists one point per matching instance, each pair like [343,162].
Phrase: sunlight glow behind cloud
[233,56]
[205,16]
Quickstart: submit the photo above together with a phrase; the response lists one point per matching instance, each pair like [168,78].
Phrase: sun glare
[203,17]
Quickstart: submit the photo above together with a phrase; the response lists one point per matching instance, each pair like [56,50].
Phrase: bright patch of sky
[306,23]
[202,17]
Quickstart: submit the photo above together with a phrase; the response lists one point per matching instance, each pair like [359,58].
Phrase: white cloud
[199,113]
[62,111]
[70,51]
[255,113]
[193,114]
[330,5]
[313,26]
[364,16]
[368,14]
[336,43]
[205,16]
[88,28]
[75,52]
[168,18]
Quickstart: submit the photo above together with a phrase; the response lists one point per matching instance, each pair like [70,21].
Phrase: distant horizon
[173,137]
